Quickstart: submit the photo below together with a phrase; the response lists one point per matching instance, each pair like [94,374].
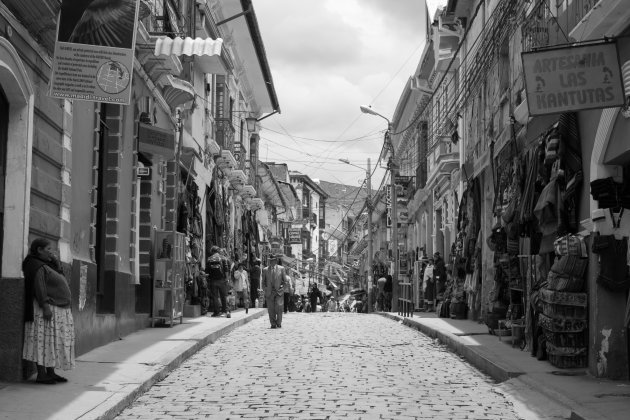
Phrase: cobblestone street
[324,365]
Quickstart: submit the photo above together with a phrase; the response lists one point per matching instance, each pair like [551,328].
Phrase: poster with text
[94,50]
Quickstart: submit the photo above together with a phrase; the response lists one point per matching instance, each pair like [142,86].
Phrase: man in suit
[273,283]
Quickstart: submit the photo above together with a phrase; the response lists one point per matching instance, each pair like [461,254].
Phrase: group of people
[433,281]
[227,278]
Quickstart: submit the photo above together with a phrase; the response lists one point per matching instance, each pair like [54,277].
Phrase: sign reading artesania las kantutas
[94,50]
[573,78]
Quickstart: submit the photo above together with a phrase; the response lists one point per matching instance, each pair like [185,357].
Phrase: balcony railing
[166,19]
[225,134]
[580,8]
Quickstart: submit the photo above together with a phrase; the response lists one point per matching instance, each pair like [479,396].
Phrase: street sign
[295,235]
[573,78]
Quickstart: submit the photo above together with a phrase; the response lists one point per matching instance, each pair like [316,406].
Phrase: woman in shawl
[48,323]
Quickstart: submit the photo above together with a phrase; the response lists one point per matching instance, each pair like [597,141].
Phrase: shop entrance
[4,123]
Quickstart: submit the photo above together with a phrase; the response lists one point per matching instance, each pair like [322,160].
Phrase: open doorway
[4,124]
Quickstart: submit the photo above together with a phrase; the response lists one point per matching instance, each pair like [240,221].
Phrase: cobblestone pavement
[324,366]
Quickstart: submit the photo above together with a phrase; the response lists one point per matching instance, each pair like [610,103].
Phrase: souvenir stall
[190,224]
[507,295]
[539,292]
[463,291]
[561,330]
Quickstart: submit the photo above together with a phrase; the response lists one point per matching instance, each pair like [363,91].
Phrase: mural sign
[94,51]
[573,78]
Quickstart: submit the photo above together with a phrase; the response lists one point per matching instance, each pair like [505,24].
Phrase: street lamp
[368,201]
[394,216]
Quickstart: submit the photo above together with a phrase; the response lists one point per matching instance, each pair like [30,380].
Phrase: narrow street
[324,365]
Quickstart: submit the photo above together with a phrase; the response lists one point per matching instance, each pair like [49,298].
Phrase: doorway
[4,124]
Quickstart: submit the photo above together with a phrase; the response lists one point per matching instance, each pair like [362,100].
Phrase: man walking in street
[218,270]
[273,283]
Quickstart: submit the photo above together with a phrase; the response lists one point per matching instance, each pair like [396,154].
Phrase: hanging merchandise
[613,269]
[610,194]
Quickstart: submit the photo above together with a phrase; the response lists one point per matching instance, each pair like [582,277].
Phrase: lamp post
[394,215]
[368,201]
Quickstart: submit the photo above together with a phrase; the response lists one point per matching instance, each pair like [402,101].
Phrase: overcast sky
[327,58]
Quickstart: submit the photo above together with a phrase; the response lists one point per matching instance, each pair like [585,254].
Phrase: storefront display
[168,278]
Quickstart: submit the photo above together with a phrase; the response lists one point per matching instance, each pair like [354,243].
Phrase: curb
[495,370]
[111,412]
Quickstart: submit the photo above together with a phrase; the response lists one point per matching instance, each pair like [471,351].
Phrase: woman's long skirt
[50,343]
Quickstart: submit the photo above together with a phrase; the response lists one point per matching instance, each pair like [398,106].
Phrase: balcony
[226,162]
[595,19]
[225,134]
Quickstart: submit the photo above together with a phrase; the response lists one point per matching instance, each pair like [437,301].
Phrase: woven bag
[570,245]
[570,265]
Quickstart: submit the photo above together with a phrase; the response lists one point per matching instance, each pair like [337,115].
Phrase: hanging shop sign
[94,51]
[573,78]
[156,141]
[295,235]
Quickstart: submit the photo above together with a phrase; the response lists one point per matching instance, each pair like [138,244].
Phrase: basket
[566,341]
[567,357]
[568,362]
[562,325]
[564,311]
[571,265]
[564,298]
[564,283]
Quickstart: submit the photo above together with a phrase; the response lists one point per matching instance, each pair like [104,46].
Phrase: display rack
[168,278]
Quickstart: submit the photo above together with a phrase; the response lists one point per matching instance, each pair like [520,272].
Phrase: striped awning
[176,91]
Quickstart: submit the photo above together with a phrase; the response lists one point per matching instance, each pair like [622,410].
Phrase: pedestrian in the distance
[288,293]
[380,299]
[254,279]
[314,296]
[273,283]
[387,289]
[241,286]
[217,271]
[49,335]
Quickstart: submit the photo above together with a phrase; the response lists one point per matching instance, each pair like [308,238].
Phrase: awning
[187,160]
[288,260]
[206,52]
[341,279]
[290,194]
[270,189]
[176,91]
[539,125]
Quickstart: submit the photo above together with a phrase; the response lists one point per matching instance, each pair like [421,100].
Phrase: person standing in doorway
[49,335]
[273,283]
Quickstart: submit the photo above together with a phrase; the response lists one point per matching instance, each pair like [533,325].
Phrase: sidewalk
[538,389]
[109,378]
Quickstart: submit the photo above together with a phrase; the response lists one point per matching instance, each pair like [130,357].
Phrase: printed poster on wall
[573,78]
[94,50]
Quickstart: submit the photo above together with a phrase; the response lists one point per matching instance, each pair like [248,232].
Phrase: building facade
[93,179]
